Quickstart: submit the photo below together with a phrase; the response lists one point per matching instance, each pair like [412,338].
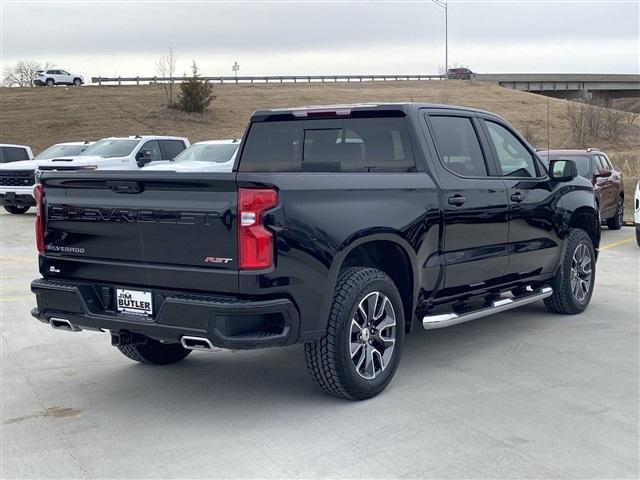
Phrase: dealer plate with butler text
[134,301]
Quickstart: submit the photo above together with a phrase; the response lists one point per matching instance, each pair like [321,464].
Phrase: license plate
[134,301]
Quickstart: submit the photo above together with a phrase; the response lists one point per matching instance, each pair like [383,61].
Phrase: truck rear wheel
[573,284]
[154,352]
[16,209]
[361,350]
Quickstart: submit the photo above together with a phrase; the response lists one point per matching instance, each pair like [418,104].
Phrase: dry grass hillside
[42,116]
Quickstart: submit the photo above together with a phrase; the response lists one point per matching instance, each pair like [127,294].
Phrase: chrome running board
[431,322]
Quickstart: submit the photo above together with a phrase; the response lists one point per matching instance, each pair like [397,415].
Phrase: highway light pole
[443,4]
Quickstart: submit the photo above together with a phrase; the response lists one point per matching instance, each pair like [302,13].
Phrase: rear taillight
[255,242]
[37,193]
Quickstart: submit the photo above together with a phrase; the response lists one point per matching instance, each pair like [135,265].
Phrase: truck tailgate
[153,228]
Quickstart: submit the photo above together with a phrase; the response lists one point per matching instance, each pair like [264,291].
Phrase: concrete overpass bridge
[569,85]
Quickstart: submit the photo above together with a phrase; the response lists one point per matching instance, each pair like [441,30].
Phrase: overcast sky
[125,38]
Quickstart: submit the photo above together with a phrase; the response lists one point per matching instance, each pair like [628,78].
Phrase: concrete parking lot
[519,394]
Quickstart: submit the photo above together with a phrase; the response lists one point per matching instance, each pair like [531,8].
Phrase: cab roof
[145,137]
[310,111]
[585,151]
[13,145]
[219,142]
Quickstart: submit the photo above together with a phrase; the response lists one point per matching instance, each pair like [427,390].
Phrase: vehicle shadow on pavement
[263,379]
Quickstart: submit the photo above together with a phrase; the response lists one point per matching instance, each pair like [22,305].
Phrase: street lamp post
[443,4]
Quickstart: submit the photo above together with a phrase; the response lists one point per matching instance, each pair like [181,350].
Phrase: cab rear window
[374,145]
[13,154]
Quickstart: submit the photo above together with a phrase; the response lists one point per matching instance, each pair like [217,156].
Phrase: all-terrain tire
[615,222]
[154,352]
[16,209]
[563,299]
[329,358]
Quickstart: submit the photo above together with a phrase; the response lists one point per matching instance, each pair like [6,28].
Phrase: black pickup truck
[340,227]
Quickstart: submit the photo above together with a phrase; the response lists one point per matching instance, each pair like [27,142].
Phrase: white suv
[121,153]
[18,177]
[55,76]
[207,156]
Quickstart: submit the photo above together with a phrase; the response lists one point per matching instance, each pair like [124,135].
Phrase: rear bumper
[228,322]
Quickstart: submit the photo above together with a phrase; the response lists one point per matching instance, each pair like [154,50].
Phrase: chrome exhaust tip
[63,324]
[196,343]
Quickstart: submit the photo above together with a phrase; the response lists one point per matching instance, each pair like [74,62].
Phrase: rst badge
[134,301]
[217,260]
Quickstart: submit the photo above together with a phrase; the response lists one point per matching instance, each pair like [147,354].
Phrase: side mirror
[143,157]
[562,170]
[603,173]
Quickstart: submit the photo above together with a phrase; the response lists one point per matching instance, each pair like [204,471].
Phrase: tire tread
[560,301]
[321,355]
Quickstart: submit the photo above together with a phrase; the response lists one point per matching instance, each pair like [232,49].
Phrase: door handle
[457,200]
[517,197]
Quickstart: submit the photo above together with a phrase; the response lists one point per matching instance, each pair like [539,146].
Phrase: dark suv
[594,165]
[459,74]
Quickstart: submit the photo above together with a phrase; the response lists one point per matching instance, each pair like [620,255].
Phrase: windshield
[111,148]
[61,151]
[208,152]
[582,162]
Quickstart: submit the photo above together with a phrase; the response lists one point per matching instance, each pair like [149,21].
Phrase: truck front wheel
[361,350]
[153,352]
[573,284]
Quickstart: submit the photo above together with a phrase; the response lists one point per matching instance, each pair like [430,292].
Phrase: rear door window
[171,148]
[154,149]
[374,145]
[458,145]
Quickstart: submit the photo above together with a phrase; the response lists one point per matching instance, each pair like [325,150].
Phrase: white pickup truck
[17,177]
[121,153]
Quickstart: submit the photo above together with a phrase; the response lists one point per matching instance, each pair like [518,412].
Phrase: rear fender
[359,239]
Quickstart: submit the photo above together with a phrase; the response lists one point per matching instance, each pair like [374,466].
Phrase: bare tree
[166,67]
[594,116]
[631,117]
[21,74]
[577,113]
[529,133]
[612,121]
